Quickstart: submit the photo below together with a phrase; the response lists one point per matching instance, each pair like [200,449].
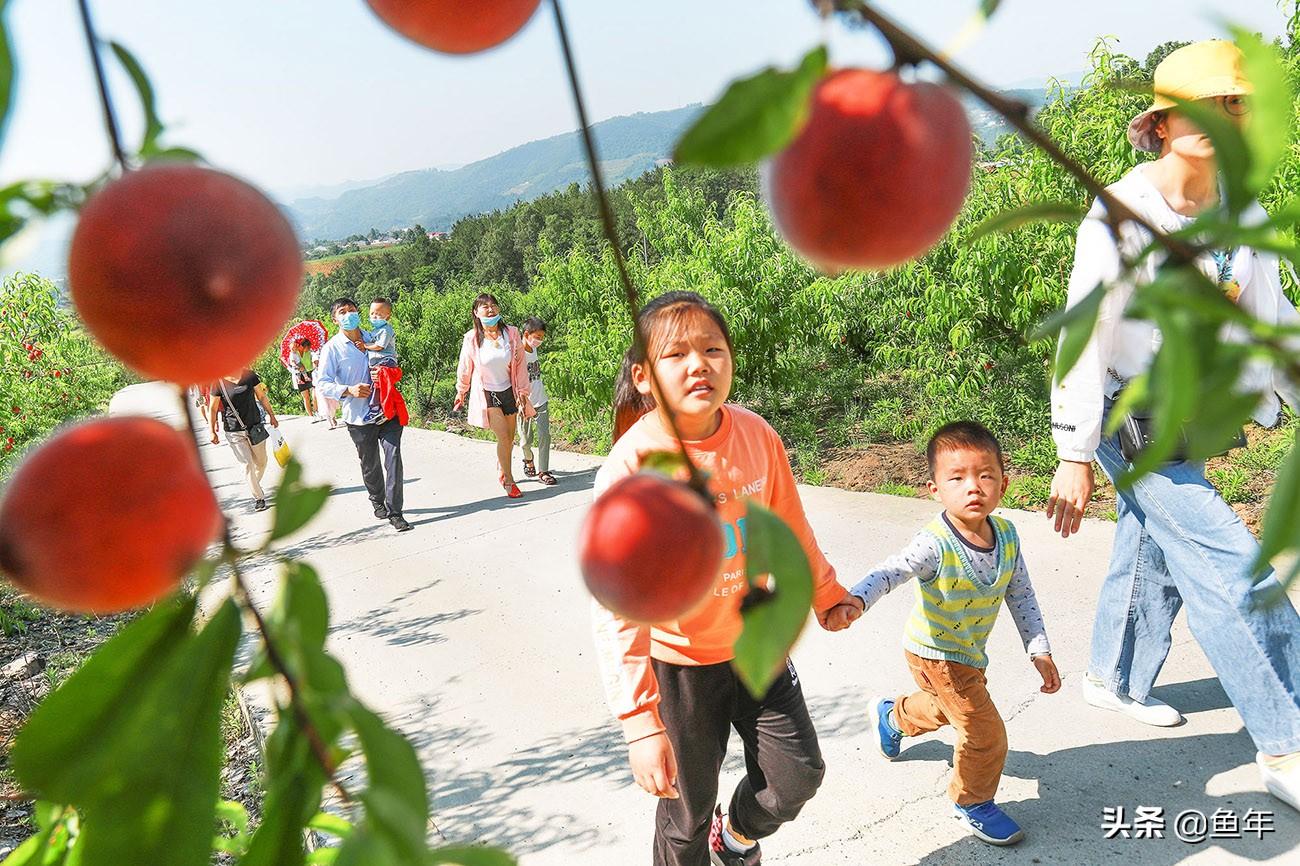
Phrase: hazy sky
[293,93]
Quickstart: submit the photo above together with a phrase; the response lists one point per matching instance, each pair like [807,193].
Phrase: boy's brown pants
[956,694]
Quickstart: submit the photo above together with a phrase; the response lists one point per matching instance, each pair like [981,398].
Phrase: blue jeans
[1178,542]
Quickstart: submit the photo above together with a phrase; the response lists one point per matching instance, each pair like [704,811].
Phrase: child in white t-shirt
[536,430]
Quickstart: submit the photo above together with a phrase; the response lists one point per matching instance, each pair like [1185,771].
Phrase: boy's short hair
[341,302]
[962,434]
[533,324]
[387,303]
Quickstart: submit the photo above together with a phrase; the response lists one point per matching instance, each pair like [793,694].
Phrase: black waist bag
[1136,435]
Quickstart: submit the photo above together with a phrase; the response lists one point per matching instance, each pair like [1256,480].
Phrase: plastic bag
[280,447]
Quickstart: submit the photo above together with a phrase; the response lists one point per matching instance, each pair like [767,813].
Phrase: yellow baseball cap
[1196,71]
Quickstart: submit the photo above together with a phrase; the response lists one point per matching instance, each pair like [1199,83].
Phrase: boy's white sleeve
[1023,604]
[920,559]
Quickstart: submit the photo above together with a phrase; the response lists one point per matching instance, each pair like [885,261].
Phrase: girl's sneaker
[720,854]
[891,739]
[989,823]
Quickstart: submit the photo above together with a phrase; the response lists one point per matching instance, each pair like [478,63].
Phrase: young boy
[538,428]
[382,347]
[965,563]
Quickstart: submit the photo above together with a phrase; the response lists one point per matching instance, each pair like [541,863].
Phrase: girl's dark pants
[699,706]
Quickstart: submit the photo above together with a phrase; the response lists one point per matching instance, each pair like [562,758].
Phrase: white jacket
[1122,348]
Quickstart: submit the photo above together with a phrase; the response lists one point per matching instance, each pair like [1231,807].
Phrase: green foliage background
[69,378]
[860,357]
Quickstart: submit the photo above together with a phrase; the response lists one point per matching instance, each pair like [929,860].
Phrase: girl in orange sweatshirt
[672,685]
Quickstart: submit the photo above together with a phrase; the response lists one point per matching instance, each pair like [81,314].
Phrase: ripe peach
[184,273]
[109,514]
[650,549]
[877,174]
[456,26]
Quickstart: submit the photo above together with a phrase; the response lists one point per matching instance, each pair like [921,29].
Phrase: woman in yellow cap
[1176,540]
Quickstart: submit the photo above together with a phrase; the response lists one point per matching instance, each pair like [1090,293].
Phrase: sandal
[547,478]
[530,468]
[513,491]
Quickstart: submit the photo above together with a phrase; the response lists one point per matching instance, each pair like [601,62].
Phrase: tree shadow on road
[579,481]
[361,488]
[387,624]
[1064,823]
[484,803]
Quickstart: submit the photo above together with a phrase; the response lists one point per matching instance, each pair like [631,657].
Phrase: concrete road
[470,633]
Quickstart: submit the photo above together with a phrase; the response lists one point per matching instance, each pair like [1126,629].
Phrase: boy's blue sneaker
[989,823]
[891,739]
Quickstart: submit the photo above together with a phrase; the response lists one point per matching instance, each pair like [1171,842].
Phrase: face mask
[534,345]
[350,321]
[490,320]
[378,322]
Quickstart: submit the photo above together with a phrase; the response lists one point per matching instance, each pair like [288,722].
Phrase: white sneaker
[1282,782]
[1149,712]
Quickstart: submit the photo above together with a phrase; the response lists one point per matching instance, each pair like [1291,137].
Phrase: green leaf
[1282,521]
[133,739]
[35,850]
[295,502]
[397,804]
[988,7]
[1133,397]
[1174,377]
[8,70]
[152,125]
[1009,221]
[773,616]
[294,782]
[670,464]
[755,118]
[1268,126]
[174,154]
[469,855]
[334,825]
[1076,324]
[298,624]
[234,814]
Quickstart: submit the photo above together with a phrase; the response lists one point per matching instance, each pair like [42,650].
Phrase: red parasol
[312,329]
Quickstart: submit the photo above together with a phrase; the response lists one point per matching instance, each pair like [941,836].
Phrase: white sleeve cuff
[1075,456]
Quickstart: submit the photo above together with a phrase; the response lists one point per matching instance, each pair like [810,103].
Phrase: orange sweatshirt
[745,459]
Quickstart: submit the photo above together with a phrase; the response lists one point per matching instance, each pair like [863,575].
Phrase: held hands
[1071,492]
[1047,670]
[842,615]
[654,766]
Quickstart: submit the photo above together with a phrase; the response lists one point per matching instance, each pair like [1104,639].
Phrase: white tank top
[494,362]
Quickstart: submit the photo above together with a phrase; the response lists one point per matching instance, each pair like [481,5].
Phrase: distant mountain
[629,147]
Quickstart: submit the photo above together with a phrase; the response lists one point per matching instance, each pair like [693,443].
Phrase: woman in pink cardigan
[492,371]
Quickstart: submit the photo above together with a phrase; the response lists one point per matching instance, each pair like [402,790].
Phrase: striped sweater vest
[955,612]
